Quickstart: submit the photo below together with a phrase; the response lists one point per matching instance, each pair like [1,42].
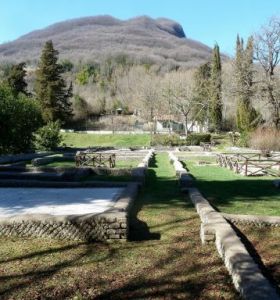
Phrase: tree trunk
[186,125]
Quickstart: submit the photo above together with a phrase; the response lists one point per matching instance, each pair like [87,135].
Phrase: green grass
[164,258]
[223,141]
[128,163]
[234,193]
[62,164]
[118,140]
[205,158]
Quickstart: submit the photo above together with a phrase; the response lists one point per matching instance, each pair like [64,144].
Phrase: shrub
[197,138]
[234,137]
[48,137]
[67,65]
[82,78]
[265,139]
[243,139]
[20,117]
[166,140]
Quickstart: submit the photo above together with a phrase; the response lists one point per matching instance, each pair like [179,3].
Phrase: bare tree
[148,97]
[178,90]
[267,53]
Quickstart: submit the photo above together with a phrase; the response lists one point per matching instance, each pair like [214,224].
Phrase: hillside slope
[91,38]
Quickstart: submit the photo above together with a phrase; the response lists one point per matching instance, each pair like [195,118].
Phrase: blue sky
[208,21]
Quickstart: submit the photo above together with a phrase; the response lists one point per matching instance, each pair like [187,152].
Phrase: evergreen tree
[246,116]
[216,105]
[50,87]
[202,93]
[16,79]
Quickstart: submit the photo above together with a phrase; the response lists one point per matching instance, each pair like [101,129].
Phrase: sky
[207,21]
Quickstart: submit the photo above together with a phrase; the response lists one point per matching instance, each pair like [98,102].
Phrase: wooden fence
[95,159]
[250,164]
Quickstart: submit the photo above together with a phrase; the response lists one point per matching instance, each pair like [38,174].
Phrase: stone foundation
[259,221]
[112,224]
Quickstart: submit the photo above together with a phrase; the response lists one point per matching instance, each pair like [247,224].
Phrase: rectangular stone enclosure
[78,213]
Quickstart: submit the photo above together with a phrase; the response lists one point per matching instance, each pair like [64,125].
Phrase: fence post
[246,166]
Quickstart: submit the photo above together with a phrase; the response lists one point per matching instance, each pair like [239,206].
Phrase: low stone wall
[40,173]
[40,161]
[246,274]
[139,173]
[112,224]
[123,155]
[260,221]
[146,160]
[7,159]
[184,178]
[179,169]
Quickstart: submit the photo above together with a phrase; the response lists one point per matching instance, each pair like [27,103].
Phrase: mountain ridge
[158,40]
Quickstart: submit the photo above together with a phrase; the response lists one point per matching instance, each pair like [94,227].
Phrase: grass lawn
[202,158]
[164,258]
[234,193]
[118,140]
[266,242]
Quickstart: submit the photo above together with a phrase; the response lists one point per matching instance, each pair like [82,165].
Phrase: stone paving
[56,201]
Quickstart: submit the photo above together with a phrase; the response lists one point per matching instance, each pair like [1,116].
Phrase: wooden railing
[207,146]
[95,159]
[249,164]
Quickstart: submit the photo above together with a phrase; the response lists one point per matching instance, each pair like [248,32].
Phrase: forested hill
[91,38]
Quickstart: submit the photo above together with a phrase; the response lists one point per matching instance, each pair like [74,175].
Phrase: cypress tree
[216,105]
[50,87]
[246,115]
[16,79]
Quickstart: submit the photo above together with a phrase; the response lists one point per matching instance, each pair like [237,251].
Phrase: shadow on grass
[138,229]
[153,162]
[20,281]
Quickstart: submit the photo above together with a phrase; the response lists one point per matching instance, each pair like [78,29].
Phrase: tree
[267,53]
[50,87]
[216,105]
[20,117]
[16,79]
[81,108]
[202,93]
[148,95]
[246,116]
[178,91]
